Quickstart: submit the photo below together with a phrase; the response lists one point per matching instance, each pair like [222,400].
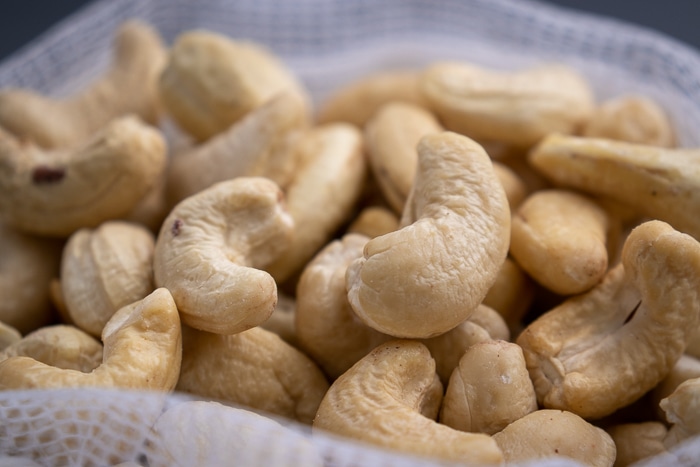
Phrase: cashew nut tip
[429,276]
[211,250]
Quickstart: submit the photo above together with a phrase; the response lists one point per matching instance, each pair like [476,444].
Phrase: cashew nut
[682,409]
[129,87]
[429,276]
[550,433]
[660,183]
[511,295]
[8,336]
[255,369]
[514,186]
[105,269]
[559,238]
[374,221]
[142,350]
[686,368]
[281,322]
[489,389]
[57,192]
[642,313]
[381,400]
[211,81]
[517,107]
[210,248]
[637,441]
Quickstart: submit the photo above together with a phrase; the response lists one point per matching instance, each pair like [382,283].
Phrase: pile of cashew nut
[474,265]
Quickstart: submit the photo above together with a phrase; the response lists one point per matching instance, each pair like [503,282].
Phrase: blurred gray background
[23,21]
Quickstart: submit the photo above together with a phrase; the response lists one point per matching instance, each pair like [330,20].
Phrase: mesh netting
[327,43]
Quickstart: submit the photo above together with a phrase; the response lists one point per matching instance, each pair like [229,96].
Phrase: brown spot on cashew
[128,87]
[103,179]
[381,400]
[514,107]
[142,350]
[44,174]
[228,232]
[429,276]
[568,349]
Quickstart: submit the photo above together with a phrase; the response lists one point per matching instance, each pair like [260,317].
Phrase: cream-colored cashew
[105,269]
[511,295]
[154,207]
[142,350]
[551,433]
[255,369]
[60,346]
[429,276]
[391,137]
[374,221]
[682,409]
[516,107]
[657,182]
[686,368]
[282,320]
[559,238]
[323,193]
[55,193]
[359,100]
[515,188]
[211,81]
[491,321]
[380,400]
[602,350]
[209,433]
[637,441]
[489,389]
[28,264]
[632,118]
[210,248]
[129,87]
[260,144]
[8,336]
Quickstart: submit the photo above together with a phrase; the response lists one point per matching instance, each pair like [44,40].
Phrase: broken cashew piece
[129,87]
[105,269]
[142,350]
[429,276]
[642,313]
[513,107]
[657,182]
[211,249]
[54,193]
[381,400]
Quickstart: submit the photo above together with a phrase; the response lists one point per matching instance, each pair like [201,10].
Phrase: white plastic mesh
[327,43]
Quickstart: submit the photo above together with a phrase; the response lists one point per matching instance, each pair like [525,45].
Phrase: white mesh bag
[327,43]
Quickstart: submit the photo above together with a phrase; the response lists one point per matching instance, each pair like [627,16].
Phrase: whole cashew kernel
[429,276]
[54,193]
[211,81]
[637,441]
[642,313]
[517,107]
[549,433]
[489,389]
[559,238]
[210,248]
[374,221]
[657,182]
[105,269]
[129,87]
[255,369]
[142,350]
[381,400]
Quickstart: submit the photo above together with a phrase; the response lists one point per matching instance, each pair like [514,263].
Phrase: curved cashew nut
[27,267]
[59,346]
[548,433]
[517,107]
[642,313]
[255,368]
[56,193]
[211,81]
[129,87]
[380,400]
[257,145]
[105,269]
[429,276]
[210,248]
[559,238]
[142,350]
[660,183]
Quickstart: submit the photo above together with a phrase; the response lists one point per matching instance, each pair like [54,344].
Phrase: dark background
[23,21]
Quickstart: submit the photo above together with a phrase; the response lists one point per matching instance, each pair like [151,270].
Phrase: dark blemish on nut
[556,451]
[43,174]
[175,229]
[653,192]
